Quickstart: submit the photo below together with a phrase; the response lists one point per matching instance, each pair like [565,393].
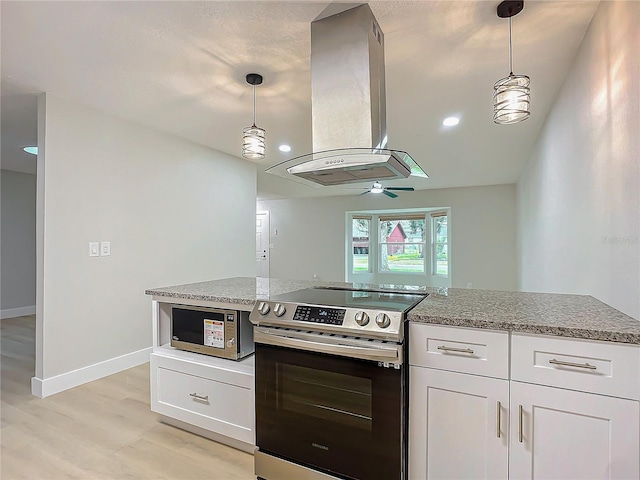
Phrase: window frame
[352,254]
[435,243]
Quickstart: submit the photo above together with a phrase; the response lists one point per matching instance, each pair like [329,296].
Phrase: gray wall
[311,233]
[175,212]
[579,194]
[18,242]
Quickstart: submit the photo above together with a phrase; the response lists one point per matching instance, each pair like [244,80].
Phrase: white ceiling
[180,66]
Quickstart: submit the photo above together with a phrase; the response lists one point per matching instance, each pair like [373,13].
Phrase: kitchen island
[508,370]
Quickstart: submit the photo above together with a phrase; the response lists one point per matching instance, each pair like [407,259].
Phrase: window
[402,242]
[360,227]
[439,244]
[405,247]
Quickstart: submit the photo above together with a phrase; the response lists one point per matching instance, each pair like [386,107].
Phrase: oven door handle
[389,354]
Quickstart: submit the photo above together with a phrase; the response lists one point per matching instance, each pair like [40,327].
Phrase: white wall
[174,212]
[579,194]
[311,233]
[18,244]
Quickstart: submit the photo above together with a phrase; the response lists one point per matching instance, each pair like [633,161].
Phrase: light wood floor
[102,430]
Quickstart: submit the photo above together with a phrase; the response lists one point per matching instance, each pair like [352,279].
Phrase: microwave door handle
[364,353]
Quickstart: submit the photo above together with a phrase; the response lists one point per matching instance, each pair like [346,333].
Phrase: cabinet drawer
[584,365]
[466,350]
[208,403]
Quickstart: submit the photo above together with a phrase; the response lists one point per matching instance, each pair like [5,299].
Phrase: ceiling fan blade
[406,189]
[367,191]
[389,194]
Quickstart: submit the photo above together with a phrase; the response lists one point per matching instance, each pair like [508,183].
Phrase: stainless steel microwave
[212,331]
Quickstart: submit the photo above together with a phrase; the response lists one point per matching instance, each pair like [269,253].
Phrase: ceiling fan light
[511,99]
[377,188]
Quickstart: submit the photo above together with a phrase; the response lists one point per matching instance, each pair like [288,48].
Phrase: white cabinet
[578,415]
[562,434]
[207,395]
[458,422]
[458,425]
[568,408]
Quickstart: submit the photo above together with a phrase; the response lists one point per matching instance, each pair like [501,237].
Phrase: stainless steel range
[331,384]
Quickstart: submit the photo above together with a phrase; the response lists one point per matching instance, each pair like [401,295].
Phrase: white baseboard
[17,312]
[49,386]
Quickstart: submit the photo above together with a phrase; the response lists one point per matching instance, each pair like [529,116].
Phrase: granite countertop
[246,290]
[577,316]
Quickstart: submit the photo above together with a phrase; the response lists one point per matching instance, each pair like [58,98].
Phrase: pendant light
[253,138]
[511,97]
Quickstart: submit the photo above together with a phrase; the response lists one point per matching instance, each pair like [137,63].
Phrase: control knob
[362,318]
[263,308]
[279,309]
[231,342]
[383,320]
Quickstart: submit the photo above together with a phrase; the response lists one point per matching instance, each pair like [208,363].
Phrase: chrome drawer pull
[199,397]
[498,417]
[571,364]
[453,349]
[520,435]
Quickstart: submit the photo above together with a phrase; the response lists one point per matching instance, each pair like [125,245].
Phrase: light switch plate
[94,249]
[105,249]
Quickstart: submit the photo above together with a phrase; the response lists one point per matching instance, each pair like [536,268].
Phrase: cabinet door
[558,433]
[458,425]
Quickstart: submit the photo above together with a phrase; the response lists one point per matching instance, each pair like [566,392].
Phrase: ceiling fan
[378,188]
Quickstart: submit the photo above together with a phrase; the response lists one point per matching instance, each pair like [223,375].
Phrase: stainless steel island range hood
[348,104]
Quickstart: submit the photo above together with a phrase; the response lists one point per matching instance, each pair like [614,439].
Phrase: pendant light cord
[254,105]
[510,52]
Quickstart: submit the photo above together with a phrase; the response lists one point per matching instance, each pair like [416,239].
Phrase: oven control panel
[330,316]
[358,322]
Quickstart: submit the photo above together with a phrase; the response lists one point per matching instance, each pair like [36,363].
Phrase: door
[262,244]
[331,413]
[558,433]
[458,425]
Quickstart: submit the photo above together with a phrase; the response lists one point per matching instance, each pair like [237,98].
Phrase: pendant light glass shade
[253,142]
[511,98]
[253,138]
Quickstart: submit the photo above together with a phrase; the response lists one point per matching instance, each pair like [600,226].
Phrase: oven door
[339,415]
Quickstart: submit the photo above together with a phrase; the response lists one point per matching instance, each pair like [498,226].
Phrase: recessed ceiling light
[451,121]
[284,148]
[31,150]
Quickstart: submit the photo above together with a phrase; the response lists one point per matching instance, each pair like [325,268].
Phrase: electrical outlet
[94,249]
[469,285]
[105,249]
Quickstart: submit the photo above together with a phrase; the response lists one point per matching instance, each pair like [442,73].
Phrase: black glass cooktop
[329,297]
